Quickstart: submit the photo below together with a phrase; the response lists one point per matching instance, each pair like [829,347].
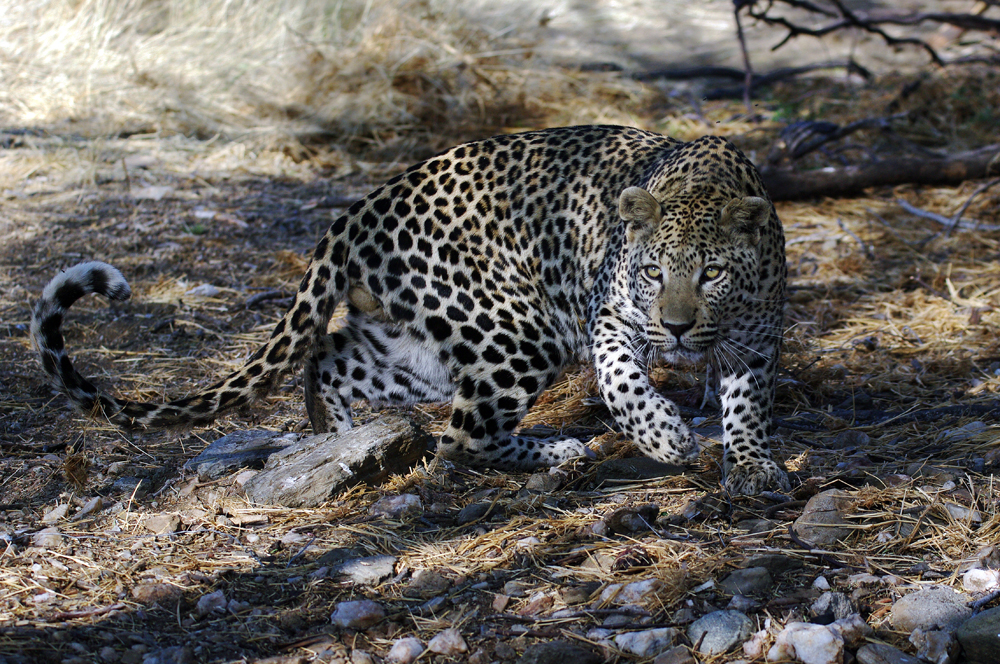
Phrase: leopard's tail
[322,288]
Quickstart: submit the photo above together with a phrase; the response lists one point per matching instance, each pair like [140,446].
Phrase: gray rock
[427,583]
[879,653]
[131,486]
[557,652]
[474,512]
[719,632]
[829,607]
[240,449]
[931,608]
[938,647]
[637,468]
[675,655]
[747,581]
[314,469]
[359,614]
[543,483]
[632,519]
[365,571]
[822,521]
[980,637]
[776,563]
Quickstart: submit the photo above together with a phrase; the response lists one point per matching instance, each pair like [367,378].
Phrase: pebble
[578,594]
[162,524]
[555,652]
[473,512]
[516,588]
[56,513]
[647,643]
[396,507]
[749,581]
[211,604]
[427,583]
[357,614]
[675,655]
[821,583]
[807,643]
[822,521]
[365,571]
[934,646]
[938,607]
[405,650]
[743,604]
[448,643]
[980,580]
[165,594]
[830,606]
[980,637]
[720,631]
[47,538]
[632,519]
[361,657]
[963,514]
[93,505]
[544,482]
[853,629]
[880,653]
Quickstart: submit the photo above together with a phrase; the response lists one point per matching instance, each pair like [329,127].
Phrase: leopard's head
[693,257]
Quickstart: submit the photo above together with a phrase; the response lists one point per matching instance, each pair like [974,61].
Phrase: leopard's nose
[677,329]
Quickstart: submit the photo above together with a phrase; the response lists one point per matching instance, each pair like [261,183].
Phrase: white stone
[980,580]
[394,507]
[821,583]
[647,643]
[47,538]
[358,614]
[754,646]
[405,651]
[56,513]
[91,506]
[807,643]
[449,643]
[633,593]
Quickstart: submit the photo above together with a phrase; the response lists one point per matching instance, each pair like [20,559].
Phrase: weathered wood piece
[315,469]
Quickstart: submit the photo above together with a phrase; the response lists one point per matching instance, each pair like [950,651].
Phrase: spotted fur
[477,275]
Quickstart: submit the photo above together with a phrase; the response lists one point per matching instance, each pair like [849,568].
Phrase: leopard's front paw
[676,445]
[754,476]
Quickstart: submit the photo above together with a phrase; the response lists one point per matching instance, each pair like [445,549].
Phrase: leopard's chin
[682,355]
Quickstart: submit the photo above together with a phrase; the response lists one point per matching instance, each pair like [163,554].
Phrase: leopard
[480,274]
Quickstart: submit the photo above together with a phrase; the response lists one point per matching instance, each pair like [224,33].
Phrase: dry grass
[245,117]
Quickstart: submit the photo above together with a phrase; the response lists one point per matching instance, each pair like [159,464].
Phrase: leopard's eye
[711,273]
[652,272]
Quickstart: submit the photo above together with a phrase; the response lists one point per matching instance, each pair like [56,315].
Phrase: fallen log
[789,184]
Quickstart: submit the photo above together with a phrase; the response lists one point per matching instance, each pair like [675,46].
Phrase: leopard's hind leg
[371,361]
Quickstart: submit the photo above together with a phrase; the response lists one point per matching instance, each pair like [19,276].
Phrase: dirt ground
[888,391]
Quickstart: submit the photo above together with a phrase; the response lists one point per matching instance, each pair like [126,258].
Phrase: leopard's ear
[745,217]
[640,212]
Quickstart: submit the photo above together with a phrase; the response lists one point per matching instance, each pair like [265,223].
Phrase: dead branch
[841,18]
[790,184]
